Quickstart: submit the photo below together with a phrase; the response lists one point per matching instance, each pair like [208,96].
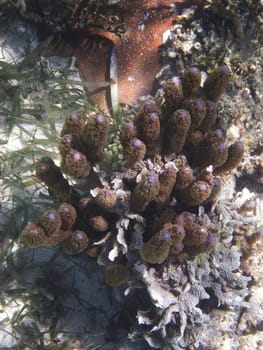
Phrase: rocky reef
[151,219]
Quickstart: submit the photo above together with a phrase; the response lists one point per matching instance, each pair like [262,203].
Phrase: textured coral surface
[170,223]
[144,221]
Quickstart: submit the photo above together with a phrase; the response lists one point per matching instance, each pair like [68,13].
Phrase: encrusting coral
[155,209]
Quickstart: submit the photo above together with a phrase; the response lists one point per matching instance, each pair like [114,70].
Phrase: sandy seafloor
[81,318]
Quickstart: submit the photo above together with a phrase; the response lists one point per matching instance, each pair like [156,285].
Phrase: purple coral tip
[187,170]
[219,133]
[181,220]
[131,126]
[100,118]
[51,216]
[79,235]
[210,240]
[65,209]
[148,106]
[170,170]
[202,187]
[194,70]
[216,182]
[224,70]
[178,229]
[239,145]
[222,147]
[67,139]
[153,117]
[76,156]
[137,143]
[189,217]
[74,116]
[153,179]
[107,193]
[184,114]
[199,103]
[175,80]
[166,235]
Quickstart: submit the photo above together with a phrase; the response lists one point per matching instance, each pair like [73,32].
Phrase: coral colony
[142,221]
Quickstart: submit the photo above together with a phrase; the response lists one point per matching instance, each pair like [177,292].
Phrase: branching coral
[152,218]
[52,228]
